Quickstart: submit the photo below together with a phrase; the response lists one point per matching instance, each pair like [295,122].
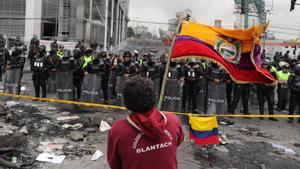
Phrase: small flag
[204,130]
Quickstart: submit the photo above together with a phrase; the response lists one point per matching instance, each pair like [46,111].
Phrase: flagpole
[162,91]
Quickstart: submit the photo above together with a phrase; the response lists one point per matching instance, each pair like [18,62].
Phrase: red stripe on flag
[205,141]
[183,48]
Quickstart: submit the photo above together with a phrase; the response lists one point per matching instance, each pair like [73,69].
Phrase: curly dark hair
[139,95]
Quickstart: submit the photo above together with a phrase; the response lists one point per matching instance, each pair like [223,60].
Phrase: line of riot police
[191,86]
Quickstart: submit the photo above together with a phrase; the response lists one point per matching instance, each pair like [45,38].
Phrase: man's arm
[113,157]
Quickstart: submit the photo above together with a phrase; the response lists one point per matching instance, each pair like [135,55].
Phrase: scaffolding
[11,14]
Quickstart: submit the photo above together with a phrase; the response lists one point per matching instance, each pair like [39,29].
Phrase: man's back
[145,141]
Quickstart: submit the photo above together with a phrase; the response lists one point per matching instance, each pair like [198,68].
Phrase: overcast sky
[206,11]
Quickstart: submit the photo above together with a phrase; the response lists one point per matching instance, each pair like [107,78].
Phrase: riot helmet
[89,51]
[297,69]
[18,39]
[42,50]
[192,62]
[76,53]
[61,46]
[173,63]
[2,42]
[34,36]
[151,60]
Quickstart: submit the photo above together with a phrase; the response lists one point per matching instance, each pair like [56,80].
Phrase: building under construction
[99,22]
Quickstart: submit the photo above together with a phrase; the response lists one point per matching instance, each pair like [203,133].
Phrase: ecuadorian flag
[237,51]
[204,130]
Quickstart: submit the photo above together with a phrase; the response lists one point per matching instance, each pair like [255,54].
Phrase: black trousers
[229,89]
[104,86]
[40,82]
[190,91]
[294,101]
[282,98]
[77,87]
[238,92]
[265,94]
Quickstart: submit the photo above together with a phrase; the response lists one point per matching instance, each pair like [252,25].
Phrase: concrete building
[100,23]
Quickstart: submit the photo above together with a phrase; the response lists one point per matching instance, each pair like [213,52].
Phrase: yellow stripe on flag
[210,34]
[203,123]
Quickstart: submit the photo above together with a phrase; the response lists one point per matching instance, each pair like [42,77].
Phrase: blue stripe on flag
[204,134]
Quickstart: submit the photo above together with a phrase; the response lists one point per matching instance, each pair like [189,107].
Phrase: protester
[147,138]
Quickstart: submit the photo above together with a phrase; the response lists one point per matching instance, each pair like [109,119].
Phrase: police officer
[266,92]
[152,70]
[54,45]
[64,76]
[40,72]
[33,49]
[17,60]
[191,74]
[60,51]
[144,59]
[112,79]
[80,46]
[4,56]
[135,58]
[65,63]
[240,90]
[53,59]
[229,90]
[127,68]
[78,73]
[21,45]
[88,57]
[283,76]
[294,85]
[100,68]
[105,66]
[34,41]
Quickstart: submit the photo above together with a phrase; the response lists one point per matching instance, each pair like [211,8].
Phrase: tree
[130,32]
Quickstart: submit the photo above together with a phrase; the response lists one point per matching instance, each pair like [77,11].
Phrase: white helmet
[136,52]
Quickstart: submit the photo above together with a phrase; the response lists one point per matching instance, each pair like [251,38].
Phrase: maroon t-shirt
[145,141]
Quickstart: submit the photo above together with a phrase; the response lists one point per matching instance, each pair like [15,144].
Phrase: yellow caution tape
[124,108]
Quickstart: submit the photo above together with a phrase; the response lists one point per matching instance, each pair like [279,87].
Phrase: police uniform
[265,92]
[33,50]
[191,73]
[40,73]
[294,85]
[283,90]
[78,73]
[4,57]
[240,90]
[105,72]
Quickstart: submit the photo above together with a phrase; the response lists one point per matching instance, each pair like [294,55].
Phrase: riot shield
[201,95]
[12,81]
[51,83]
[91,88]
[112,85]
[64,85]
[216,98]
[173,96]
[119,89]
[156,83]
